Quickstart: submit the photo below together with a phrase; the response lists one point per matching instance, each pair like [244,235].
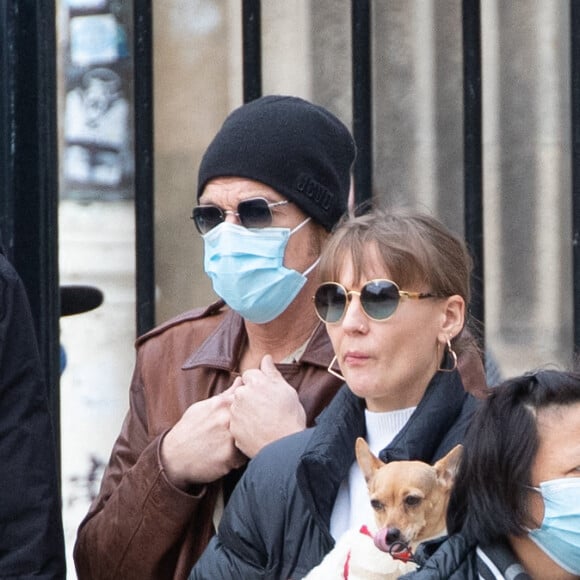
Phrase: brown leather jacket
[140,525]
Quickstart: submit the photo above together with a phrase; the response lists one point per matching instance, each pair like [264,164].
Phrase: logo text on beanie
[319,194]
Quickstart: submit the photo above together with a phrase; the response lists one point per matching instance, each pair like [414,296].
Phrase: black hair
[488,502]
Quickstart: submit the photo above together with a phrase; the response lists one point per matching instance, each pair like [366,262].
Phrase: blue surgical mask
[559,534]
[246,267]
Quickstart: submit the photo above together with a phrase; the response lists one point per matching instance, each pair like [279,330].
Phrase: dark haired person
[214,385]
[515,510]
[31,532]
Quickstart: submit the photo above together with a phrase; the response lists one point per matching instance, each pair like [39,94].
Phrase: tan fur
[390,485]
[409,496]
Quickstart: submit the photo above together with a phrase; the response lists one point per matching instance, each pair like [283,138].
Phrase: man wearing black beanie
[214,385]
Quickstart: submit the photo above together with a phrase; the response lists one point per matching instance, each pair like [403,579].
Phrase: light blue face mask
[559,534]
[246,267]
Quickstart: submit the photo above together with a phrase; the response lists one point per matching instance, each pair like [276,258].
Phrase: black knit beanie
[299,149]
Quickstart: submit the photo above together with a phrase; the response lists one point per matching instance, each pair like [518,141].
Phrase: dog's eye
[412,500]
[377,505]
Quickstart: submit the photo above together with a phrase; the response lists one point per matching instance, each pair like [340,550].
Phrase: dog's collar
[403,555]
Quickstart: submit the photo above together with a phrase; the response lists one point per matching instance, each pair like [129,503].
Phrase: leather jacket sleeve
[140,525]
[133,526]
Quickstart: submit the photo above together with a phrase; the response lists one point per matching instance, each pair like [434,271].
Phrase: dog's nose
[393,535]
[386,537]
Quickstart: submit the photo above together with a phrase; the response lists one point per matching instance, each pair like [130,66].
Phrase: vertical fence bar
[144,166]
[28,172]
[575,111]
[252,49]
[473,173]
[362,102]
[31,181]
[7,94]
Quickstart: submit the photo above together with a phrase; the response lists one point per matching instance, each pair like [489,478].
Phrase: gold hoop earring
[453,355]
[333,372]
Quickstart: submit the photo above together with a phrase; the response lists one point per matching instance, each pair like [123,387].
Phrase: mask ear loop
[299,226]
[315,263]
[311,267]
[333,372]
[453,355]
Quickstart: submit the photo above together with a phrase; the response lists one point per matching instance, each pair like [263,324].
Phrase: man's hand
[200,448]
[265,408]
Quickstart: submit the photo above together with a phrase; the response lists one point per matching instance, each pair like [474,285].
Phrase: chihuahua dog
[409,500]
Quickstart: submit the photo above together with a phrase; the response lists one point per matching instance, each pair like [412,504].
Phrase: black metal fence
[29,167]
[28,149]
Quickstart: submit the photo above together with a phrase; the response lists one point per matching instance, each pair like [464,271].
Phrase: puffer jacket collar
[330,453]
[423,434]
[428,435]
[222,348]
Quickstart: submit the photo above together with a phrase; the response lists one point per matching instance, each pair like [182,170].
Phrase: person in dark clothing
[31,532]
[393,298]
[515,509]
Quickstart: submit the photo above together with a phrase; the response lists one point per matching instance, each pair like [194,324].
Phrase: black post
[252,49]
[472,134]
[7,124]
[362,103]
[29,169]
[575,106]
[144,166]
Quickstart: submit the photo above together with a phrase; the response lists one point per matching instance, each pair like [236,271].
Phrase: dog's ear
[447,466]
[367,462]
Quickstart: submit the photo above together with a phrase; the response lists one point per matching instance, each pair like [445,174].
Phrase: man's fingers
[268,367]
[228,394]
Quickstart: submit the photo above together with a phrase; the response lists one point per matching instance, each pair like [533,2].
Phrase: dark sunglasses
[379,300]
[252,213]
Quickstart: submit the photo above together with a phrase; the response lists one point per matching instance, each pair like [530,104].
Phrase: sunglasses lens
[255,213]
[330,302]
[379,298]
[207,217]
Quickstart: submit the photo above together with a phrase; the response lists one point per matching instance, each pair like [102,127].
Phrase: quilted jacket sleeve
[134,525]
[268,531]
[252,524]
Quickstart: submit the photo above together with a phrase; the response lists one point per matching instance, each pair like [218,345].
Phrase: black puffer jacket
[276,524]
